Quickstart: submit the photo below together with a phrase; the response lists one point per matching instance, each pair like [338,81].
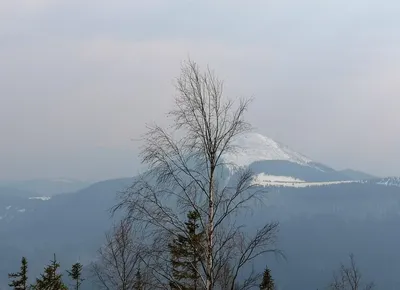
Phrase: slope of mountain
[46,187]
[320,225]
[253,147]
[355,174]
[71,225]
[265,156]
[10,191]
[295,170]
[387,181]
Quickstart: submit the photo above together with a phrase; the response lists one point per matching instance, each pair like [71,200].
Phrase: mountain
[324,215]
[70,225]
[252,147]
[267,157]
[9,191]
[387,181]
[355,174]
[46,187]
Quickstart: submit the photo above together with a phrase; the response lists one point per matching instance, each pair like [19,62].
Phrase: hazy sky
[79,79]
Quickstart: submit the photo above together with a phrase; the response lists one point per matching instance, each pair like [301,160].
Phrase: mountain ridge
[264,155]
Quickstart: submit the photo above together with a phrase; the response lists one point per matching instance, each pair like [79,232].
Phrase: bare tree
[349,278]
[119,259]
[185,167]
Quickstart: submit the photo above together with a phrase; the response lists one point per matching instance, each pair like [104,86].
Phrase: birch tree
[185,172]
[119,259]
[349,278]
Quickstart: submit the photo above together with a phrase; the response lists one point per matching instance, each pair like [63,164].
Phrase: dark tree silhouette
[76,275]
[19,281]
[51,279]
[186,255]
[267,281]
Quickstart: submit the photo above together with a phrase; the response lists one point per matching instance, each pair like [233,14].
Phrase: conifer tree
[186,255]
[20,280]
[267,281]
[51,279]
[76,275]
[139,284]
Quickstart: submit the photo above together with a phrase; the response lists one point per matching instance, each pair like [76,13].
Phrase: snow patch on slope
[273,180]
[254,147]
[44,198]
[389,181]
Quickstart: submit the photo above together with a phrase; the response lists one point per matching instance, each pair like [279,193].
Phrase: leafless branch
[349,278]
[119,258]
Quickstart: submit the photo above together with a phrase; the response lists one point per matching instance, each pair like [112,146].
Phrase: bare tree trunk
[210,233]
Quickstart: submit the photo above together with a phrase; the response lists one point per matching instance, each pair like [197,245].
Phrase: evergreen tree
[20,280]
[76,275]
[50,279]
[267,281]
[186,255]
[139,284]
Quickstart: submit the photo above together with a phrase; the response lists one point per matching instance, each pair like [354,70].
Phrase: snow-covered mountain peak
[252,147]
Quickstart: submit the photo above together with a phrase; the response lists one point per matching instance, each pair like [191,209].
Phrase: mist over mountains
[324,215]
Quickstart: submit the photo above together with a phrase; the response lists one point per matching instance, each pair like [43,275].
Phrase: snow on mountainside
[389,181]
[287,181]
[253,147]
[275,164]
[44,198]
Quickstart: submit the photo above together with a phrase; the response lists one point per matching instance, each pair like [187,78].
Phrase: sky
[80,79]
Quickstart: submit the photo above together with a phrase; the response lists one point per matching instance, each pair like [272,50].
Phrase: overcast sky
[79,79]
